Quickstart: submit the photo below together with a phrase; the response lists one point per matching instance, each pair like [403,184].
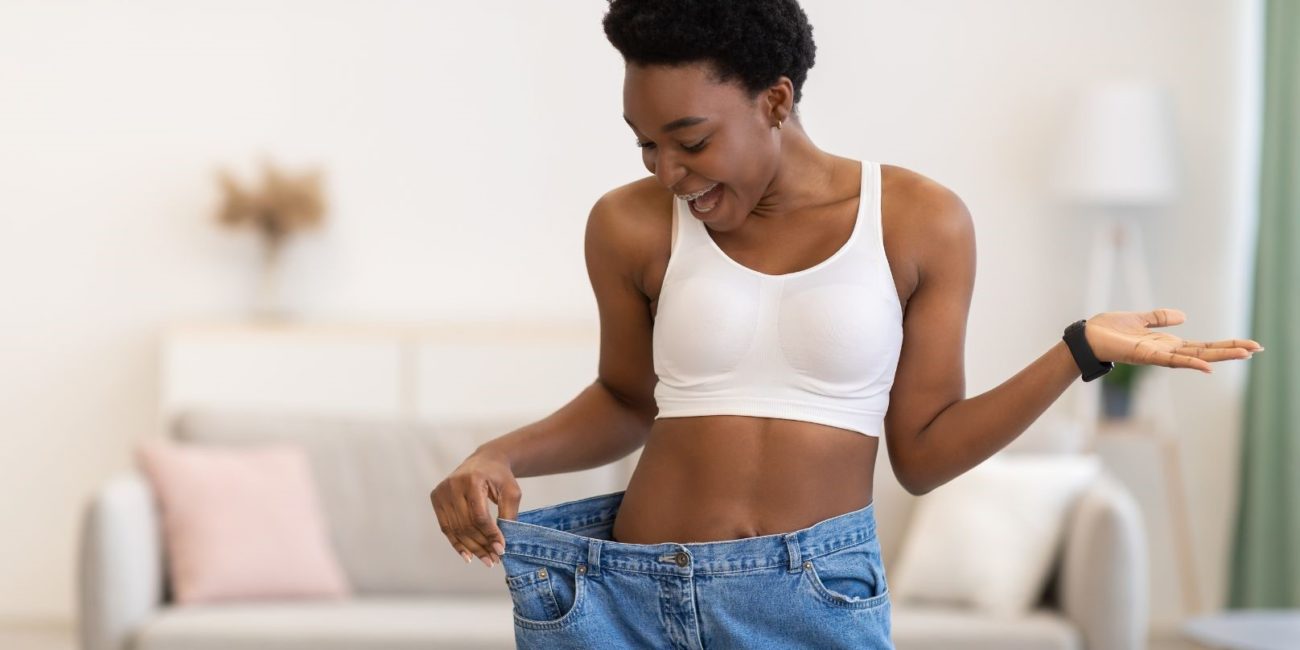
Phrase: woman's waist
[731,485]
[654,512]
[581,533]
[752,461]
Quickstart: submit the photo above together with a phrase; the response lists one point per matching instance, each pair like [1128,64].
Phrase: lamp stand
[1121,238]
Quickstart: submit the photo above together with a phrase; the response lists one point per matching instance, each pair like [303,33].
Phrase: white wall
[464,144]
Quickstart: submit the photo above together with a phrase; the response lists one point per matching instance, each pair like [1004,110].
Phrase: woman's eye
[693,148]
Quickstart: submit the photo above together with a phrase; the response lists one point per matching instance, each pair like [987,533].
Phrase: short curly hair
[753,42]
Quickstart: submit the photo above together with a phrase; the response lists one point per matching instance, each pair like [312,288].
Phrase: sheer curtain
[1266,547]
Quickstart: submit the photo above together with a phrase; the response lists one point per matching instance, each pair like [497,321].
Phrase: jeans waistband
[556,533]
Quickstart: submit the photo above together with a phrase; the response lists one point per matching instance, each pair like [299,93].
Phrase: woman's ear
[780,99]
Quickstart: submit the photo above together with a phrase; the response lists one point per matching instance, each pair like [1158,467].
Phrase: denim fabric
[574,587]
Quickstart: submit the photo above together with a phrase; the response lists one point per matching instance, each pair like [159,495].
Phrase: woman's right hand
[461,502]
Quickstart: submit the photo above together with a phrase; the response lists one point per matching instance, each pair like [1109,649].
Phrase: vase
[1116,401]
[268,304]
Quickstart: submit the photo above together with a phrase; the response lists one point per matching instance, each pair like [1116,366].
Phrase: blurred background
[441,159]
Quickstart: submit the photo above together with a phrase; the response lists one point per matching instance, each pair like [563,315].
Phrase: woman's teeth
[692,197]
[708,200]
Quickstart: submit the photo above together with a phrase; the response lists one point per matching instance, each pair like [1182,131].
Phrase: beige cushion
[375,477]
[484,622]
[917,627]
[990,537]
[467,623]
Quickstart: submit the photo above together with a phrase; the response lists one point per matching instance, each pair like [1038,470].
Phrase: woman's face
[694,132]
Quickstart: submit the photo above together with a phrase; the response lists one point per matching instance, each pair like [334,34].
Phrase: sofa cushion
[373,623]
[486,622]
[241,523]
[375,476]
[927,627]
[990,537]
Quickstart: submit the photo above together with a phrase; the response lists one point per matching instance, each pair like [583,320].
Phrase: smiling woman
[768,310]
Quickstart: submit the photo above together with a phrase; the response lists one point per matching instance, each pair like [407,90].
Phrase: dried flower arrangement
[283,205]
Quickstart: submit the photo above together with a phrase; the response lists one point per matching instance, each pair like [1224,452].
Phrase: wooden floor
[37,637]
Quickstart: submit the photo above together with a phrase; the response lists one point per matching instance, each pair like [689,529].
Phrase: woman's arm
[608,420]
[934,228]
[612,417]
[934,433]
[969,431]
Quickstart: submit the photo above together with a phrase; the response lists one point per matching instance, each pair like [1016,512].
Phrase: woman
[762,302]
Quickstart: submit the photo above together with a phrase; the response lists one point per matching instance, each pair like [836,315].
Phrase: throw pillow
[988,538]
[241,524]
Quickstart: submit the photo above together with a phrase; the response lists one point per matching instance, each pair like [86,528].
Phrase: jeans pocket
[852,577]
[546,594]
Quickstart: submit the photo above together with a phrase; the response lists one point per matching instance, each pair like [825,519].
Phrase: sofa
[411,590]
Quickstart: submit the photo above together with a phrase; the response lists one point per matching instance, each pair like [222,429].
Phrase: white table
[1247,629]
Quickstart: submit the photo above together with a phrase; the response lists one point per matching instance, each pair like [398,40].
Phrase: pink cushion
[241,522]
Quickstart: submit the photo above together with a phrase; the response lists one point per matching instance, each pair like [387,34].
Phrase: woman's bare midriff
[720,477]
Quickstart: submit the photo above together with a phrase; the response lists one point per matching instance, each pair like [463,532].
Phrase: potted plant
[1117,388]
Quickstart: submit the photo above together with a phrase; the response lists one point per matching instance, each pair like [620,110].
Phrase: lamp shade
[1118,148]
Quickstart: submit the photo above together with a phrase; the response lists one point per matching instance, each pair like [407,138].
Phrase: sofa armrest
[120,563]
[1104,581]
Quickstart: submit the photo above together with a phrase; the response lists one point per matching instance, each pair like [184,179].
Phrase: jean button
[682,558]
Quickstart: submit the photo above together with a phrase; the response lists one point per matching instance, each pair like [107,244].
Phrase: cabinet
[508,372]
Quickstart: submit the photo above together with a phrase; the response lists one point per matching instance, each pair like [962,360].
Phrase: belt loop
[792,550]
[593,557]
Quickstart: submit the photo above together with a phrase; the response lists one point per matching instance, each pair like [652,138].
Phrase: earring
[778,124]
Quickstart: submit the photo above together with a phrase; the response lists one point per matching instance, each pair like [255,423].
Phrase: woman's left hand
[1123,337]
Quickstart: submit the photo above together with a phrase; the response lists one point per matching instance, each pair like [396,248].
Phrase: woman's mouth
[708,201]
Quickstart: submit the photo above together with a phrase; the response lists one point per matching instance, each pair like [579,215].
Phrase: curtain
[1265,570]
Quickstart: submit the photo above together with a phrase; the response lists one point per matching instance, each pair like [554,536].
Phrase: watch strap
[1089,365]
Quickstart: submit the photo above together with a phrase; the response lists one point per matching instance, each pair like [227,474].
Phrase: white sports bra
[818,345]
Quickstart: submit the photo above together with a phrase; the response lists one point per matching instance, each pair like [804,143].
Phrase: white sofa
[413,591]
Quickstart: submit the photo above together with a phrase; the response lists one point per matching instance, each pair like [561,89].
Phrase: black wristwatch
[1083,356]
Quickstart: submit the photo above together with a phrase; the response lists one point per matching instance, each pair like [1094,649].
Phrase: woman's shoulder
[922,219]
[640,199]
[914,190]
[634,219]
[917,208]
[638,207]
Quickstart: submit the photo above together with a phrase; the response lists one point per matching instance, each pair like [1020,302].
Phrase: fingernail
[467,556]
[486,561]
[499,548]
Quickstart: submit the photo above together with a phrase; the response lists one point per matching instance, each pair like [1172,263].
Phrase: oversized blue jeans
[572,586]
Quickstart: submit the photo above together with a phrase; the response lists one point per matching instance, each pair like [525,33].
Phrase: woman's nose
[667,172]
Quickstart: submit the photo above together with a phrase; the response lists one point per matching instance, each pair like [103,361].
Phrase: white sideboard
[428,372]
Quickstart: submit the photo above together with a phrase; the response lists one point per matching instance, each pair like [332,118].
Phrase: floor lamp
[1117,162]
